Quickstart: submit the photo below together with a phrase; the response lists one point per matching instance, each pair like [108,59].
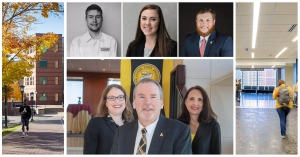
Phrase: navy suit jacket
[170,137]
[99,135]
[218,45]
[207,139]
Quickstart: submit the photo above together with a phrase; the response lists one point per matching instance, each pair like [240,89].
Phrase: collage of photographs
[139,78]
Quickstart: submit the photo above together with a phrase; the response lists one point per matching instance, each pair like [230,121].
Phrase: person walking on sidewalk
[25,112]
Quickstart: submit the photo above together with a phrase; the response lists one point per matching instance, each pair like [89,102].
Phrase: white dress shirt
[150,131]
[101,46]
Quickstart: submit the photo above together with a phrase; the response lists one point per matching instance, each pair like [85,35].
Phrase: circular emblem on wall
[146,71]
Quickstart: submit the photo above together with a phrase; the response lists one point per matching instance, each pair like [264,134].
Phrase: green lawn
[10,129]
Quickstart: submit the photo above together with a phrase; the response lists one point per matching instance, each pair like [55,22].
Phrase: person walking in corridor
[284,102]
[25,112]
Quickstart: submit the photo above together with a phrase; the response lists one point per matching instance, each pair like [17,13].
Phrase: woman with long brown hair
[197,113]
[113,111]
[152,38]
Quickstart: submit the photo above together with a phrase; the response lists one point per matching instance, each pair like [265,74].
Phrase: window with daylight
[267,77]
[56,80]
[43,64]
[43,80]
[43,97]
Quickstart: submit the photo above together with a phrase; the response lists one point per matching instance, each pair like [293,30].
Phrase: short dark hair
[93,7]
[207,10]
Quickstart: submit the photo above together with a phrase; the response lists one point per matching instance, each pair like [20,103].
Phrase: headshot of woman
[197,113]
[152,38]
[283,95]
[113,111]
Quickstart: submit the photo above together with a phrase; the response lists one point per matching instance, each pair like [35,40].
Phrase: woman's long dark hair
[163,40]
[206,115]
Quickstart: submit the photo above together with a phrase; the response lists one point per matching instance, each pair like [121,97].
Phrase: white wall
[289,76]
[203,73]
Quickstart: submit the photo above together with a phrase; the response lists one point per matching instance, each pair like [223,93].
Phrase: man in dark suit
[206,41]
[152,133]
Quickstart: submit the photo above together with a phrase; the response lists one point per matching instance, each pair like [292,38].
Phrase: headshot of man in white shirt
[93,43]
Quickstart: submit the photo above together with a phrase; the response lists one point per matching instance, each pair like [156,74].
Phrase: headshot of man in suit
[207,41]
[93,43]
[152,133]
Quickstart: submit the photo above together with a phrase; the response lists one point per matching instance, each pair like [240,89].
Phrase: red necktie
[202,47]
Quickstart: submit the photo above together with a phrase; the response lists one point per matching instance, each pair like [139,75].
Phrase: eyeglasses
[113,98]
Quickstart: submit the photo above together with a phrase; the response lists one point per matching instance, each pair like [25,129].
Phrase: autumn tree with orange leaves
[17,20]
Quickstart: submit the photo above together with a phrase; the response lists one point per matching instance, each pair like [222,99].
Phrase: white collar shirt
[101,46]
[150,131]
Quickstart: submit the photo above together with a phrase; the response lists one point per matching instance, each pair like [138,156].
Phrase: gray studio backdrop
[76,24]
[131,13]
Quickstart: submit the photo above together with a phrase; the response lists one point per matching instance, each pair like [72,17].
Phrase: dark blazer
[218,45]
[207,139]
[99,135]
[170,137]
[138,50]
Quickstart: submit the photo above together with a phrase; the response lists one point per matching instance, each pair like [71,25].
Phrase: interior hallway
[258,130]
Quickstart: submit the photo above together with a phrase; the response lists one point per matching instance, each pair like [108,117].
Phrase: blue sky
[50,24]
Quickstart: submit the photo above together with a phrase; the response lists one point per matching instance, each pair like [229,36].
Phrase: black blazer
[217,45]
[138,50]
[170,137]
[207,139]
[99,135]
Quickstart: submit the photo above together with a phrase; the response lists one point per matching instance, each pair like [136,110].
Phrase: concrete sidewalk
[46,136]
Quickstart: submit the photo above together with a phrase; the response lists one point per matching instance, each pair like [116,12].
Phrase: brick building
[47,80]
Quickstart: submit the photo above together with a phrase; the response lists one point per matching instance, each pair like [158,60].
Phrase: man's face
[94,20]
[147,102]
[205,24]
[25,103]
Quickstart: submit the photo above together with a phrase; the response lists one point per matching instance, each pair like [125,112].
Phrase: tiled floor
[258,130]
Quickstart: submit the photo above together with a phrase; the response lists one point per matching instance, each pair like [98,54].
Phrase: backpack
[284,96]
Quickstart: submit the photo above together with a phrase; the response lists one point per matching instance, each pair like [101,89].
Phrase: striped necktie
[143,143]
[202,47]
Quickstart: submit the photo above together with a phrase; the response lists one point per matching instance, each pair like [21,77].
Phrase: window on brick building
[43,64]
[43,80]
[43,97]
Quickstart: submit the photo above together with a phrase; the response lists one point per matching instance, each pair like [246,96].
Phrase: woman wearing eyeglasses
[113,111]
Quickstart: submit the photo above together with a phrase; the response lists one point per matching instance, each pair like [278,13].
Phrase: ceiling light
[256,9]
[102,59]
[273,66]
[103,69]
[80,69]
[295,39]
[280,52]
[252,54]
[252,66]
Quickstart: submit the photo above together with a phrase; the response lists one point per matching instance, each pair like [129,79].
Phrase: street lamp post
[31,96]
[12,104]
[35,99]
[5,106]
[22,91]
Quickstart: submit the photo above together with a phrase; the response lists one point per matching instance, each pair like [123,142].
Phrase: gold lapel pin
[161,134]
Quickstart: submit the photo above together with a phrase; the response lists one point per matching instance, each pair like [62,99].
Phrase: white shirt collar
[87,37]
[150,128]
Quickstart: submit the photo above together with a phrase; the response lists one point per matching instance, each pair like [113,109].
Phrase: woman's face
[115,101]
[194,102]
[149,22]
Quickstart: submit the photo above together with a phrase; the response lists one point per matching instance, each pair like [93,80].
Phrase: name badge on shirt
[104,48]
